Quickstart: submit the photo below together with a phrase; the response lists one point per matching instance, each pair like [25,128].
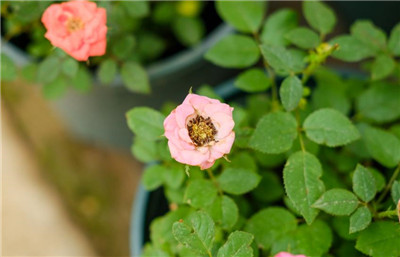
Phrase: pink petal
[182,112]
[170,121]
[85,10]
[194,158]
[81,54]
[224,146]
[184,135]
[53,19]
[206,165]
[285,254]
[211,109]
[98,49]
[223,123]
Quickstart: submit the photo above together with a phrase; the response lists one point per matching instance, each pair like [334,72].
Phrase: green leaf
[82,80]
[309,240]
[277,25]
[174,176]
[395,191]
[161,227]
[331,97]
[341,225]
[382,67]
[366,32]
[282,60]
[196,233]
[200,193]
[26,12]
[380,180]
[70,67]
[394,40]
[144,150]
[8,69]
[364,183]
[207,90]
[238,181]
[291,92]
[360,219]
[224,211]
[150,46]
[301,177]
[243,160]
[234,51]
[380,102]
[150,250]
[275,133]
[253,80]
[55,89]
[380,239]
[351,49]
[123,46]
[270,188]
[153,176]
[383,146]
[136,9]
[330,127]
[237,245]
[337,201]
[270,160]
[269,224]
[28,72]
[188,30]
[303,37]
[245,16]
[320,16]
[163,13]
[107,71]
[48,69]
[135,78]
[146,122]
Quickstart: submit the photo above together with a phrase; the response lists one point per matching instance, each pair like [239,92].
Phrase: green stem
[211,175]
[389,185]
[386,214]
[303,148]
[271,75]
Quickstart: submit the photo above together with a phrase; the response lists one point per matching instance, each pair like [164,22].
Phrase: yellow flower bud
[188,8]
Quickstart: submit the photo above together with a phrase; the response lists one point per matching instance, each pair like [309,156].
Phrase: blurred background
[69,192]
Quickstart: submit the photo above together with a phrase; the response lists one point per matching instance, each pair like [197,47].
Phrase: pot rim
[170,65]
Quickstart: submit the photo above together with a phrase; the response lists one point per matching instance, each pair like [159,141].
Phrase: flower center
[201,130]
[74,24]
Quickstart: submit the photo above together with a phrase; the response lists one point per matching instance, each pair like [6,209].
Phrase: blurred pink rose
[285,254]
[199,131]
[77,27]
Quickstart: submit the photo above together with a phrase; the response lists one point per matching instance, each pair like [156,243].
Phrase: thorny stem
[210,174]
[270,72]
[299,131]
[389,185]
[386,214]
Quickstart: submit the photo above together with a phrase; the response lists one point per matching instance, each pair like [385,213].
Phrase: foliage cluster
[315,164]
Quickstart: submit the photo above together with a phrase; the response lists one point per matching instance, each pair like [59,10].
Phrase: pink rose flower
[285,254]
[77,27]
[199,131]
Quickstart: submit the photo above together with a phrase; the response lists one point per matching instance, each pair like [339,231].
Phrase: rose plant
[120,37]
[315,162]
